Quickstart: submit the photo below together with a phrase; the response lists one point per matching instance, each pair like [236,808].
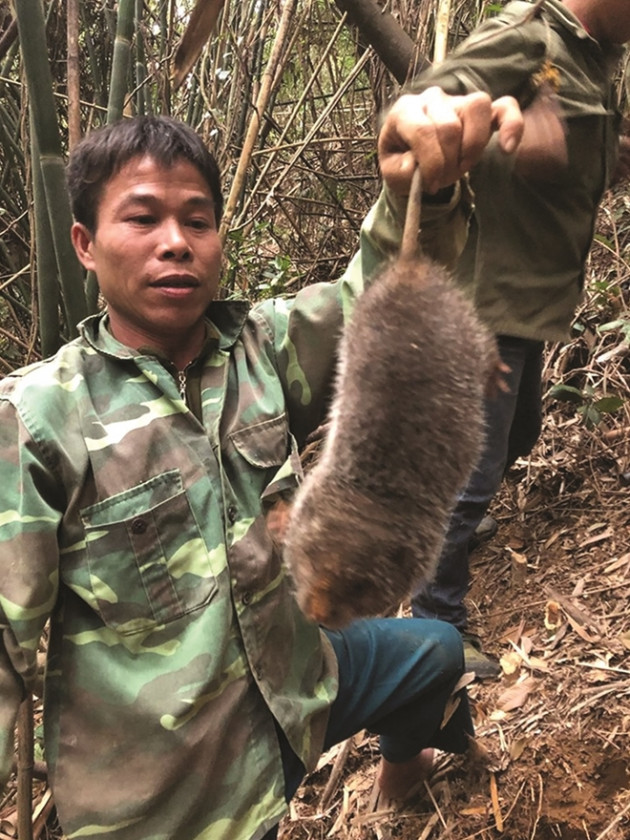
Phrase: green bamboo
[33,47]
[143,97]
[120,60]
[47,280]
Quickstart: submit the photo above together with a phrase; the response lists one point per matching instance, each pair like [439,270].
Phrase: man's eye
[199,224]
[142,219]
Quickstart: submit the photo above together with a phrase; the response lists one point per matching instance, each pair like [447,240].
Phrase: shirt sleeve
[499,58]
[28,568]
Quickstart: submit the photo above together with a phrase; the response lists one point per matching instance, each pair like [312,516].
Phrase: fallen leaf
[515,696]
[597,538]
[517,748]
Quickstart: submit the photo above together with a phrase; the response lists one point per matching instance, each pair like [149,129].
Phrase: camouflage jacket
[525,267]
[137,528]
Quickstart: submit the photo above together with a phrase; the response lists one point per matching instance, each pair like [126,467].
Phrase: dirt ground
[549,597]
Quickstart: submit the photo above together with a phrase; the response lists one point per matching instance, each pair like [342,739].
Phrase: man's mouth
[176,281]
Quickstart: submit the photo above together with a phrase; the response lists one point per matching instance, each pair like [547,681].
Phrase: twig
[435,805]
[433,819]
[335,775]
[539,810]
[494,798]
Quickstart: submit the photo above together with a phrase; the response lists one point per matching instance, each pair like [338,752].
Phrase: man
[185,694]
[534,220]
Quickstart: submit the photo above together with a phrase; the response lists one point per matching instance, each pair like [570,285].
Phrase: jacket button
[246,598]
[138,526]
[231,514]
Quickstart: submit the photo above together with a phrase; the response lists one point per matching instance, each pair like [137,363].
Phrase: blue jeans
[395,677]
[513,423]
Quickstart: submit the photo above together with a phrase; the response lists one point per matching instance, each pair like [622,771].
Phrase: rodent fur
[406,430]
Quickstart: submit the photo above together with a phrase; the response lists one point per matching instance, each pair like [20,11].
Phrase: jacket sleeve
[499,58]
[307,328]
[28,568]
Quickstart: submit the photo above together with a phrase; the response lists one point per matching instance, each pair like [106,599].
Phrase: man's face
[156,253]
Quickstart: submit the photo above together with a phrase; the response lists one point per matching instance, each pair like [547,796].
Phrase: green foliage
[251,266]
[590,407]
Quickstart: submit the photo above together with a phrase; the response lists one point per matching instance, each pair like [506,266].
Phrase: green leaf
[567,393]
[607,405]
[590,415]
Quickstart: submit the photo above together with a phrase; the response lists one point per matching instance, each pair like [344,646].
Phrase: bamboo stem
[254,125]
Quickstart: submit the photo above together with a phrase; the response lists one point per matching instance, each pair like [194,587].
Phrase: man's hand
[445,135]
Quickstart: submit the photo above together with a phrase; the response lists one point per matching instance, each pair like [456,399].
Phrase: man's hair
[104,151]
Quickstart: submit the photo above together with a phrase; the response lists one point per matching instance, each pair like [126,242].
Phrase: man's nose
[173,242]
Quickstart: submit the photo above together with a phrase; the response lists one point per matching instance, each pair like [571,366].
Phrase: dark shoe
[484,667]
[486,529]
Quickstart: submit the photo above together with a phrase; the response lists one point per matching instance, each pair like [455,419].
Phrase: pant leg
[443,597]
[395,678]
[527,423]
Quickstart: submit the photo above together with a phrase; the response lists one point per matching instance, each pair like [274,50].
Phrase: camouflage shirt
[136,526]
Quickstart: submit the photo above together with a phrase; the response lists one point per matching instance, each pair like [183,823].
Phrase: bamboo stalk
[441,31]
[254,125]
[120,60]
[46,262]
[34,51]
[74,88]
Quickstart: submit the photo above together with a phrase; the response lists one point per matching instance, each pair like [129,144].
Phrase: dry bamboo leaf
[552,539]
[517,748]
[578,589]
[464,680]
[619,563]
[597,538]
[581,631]
[537,664]
[516,695]
[527,644]
[202,21]
[625,639]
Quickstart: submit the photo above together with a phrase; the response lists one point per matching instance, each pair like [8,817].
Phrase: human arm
[28,569]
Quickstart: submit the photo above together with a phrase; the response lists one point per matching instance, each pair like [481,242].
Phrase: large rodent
[406,429]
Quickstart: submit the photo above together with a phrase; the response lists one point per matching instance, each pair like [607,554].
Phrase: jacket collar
[226,321]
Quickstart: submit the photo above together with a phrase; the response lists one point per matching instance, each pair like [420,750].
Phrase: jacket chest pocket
[147,560]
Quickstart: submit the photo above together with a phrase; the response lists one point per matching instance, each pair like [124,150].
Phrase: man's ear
[82,240]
